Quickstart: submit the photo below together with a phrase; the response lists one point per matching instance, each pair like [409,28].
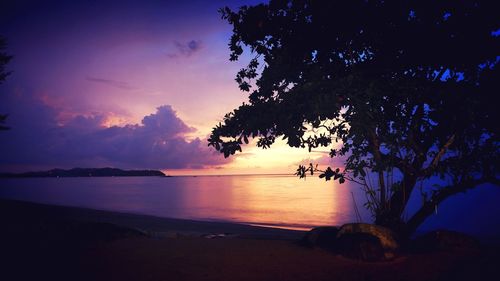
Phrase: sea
[282,201]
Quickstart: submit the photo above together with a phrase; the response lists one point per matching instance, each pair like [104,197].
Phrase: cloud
[186,49]
[158,142]
[113,83]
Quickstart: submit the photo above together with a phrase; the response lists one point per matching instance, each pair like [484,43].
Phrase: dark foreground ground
[40,242]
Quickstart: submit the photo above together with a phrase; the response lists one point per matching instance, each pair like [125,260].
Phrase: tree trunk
[418,218]
[392,216]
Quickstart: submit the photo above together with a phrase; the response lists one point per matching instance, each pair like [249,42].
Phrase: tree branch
[378,158]
[428,207]
[398,162]
[427,171]
[412,133]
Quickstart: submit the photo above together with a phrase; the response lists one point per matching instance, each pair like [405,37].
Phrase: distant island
[86,172]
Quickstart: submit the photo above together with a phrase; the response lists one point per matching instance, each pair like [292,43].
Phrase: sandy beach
[45,242]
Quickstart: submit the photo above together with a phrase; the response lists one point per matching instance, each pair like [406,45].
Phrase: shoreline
[152,225]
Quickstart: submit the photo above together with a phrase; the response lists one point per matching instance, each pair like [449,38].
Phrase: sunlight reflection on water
[273,200]
[268,200]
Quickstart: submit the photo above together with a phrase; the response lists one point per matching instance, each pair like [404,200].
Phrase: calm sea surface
[279,201]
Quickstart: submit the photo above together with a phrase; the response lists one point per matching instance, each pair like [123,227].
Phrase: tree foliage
[4,59]
[405,87]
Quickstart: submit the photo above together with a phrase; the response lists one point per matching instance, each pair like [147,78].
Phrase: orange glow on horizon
[279,159]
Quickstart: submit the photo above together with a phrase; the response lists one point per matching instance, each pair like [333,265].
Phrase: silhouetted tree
[406,87]
[4,59]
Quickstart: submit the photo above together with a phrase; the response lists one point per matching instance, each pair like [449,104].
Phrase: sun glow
[279,159]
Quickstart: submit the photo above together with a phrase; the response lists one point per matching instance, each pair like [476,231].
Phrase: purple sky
[129,84]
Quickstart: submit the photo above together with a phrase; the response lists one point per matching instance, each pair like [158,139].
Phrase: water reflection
[292,202]
[265,200]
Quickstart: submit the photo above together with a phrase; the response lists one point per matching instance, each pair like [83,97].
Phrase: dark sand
[40,242]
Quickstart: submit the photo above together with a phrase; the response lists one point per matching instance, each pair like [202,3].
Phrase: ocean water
[266,200]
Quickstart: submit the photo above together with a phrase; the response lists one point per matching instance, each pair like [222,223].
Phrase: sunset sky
[128,84]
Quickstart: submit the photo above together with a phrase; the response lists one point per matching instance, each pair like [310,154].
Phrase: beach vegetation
[402,91]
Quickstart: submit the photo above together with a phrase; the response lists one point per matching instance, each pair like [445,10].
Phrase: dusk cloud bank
[37,139]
